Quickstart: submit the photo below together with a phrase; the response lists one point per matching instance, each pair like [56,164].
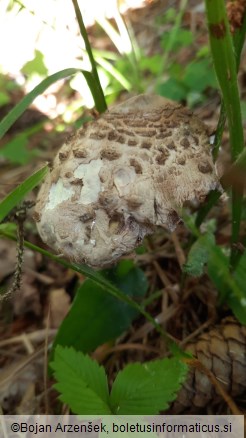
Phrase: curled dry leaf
[122,174]
[223,351]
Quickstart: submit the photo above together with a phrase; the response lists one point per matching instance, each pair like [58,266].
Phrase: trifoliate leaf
[81,382]
[148,388]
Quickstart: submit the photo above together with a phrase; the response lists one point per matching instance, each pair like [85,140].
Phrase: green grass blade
[97,90]
[17,195]
[105,284]
[107,66]
[19,109]
[238,42]
[172,36]
[226,69]
[112,33]
[123,43]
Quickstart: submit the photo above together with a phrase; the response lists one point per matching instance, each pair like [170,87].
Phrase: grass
[225,272]
[225,64]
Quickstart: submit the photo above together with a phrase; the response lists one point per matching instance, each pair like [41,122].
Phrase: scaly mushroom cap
[121,175]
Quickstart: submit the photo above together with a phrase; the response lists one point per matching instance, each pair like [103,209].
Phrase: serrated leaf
[198,255]
[89,322]
[147,389]
[17,195]
[81,382]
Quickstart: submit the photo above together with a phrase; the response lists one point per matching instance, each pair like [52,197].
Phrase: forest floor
[186,307]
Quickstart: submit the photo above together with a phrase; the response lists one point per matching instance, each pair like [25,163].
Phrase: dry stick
[196,332]
[161,318]
[36,336]
[165,280]
[178,249]
[122,348]
[12,371]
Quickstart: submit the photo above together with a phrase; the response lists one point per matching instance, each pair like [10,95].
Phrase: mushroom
[120,176]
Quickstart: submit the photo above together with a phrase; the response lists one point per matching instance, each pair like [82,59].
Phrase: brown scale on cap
[120,176]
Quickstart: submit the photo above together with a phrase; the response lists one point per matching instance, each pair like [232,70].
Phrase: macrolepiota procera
[120,176]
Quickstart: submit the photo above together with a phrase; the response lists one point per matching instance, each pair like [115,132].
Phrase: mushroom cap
[122,174]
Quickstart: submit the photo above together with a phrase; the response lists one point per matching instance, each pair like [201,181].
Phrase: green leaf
[239,305]
[81,382]
[183,38]
[7,227]
[199,75]
[193,98]
[17,195]
[89,321]
[198,255]
[16,150]
[243,109]
[36,65]
[173,89]
[151,63]
[148,388]
[168,17]
[4,98]
[114,72]
[232,287]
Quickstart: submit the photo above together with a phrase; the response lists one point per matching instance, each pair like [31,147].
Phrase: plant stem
[99,279]
[226,70]
[103,106]
[238,40]
[172,37]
